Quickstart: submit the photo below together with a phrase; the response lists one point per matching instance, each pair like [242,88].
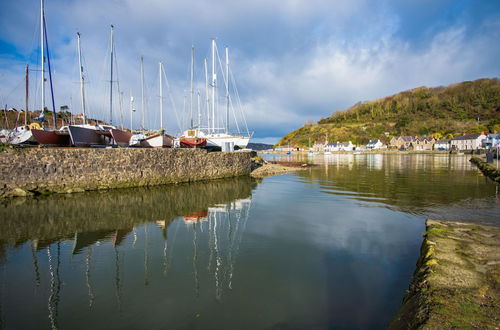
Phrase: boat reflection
[101,243]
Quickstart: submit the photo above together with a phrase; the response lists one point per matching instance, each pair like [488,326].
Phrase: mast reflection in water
[128,247]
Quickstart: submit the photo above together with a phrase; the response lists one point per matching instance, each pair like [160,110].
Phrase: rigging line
[120,93]
[224,78]
[239,101]
[171,98]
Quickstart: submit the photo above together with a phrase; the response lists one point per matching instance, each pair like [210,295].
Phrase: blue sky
[293,60]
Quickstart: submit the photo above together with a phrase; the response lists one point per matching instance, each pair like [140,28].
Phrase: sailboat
[221,137]
[157,140]
[191,138]
[54,136]
[92,135]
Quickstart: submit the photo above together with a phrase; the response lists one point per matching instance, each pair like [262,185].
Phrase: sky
[292,60]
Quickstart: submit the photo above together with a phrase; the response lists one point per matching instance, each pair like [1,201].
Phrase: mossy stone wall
[44,170]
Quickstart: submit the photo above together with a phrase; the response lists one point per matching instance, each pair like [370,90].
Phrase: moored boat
[157,141]
[121,137]
[90,135]
[52,137]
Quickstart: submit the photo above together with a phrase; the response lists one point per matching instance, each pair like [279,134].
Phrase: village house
[340,146]
[443,144]
[374,144]
[424,143]
[468,142]
[319,146]
[492,141]
[404,142]
[347,146]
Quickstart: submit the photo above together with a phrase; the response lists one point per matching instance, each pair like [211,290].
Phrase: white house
[468,141]
[443,144]
[374,144]
[492,141]
[347,146]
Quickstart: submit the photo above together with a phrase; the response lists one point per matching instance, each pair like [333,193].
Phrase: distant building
[339,146]
[424,143]
[374,144]
[492,141]
[405,142]
[443,144]
[468,141]
[319,146]
[287,148]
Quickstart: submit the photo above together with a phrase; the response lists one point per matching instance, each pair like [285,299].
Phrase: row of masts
[211,100]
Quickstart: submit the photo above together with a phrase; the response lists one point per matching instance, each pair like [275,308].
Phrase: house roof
[407,138]
[467,137]
[373,141]
[494,136]
[443,141]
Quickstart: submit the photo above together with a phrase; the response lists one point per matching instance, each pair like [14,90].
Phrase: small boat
[21,135]
[121,137]
[52,137]
[190,139]
[159,140]
[90,135]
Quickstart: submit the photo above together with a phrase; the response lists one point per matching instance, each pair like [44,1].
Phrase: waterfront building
[443,144]
[468,141]
[319,146]
[492,141]
[402,142]
[374,144]
[424,143]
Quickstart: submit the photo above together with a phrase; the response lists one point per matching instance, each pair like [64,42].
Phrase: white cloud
[294,61]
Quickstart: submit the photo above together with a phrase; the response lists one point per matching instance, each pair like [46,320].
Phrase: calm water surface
[330,247]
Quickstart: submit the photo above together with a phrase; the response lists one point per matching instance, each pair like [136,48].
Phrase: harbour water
[332,246]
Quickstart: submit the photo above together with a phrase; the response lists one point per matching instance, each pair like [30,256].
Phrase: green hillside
[467,107]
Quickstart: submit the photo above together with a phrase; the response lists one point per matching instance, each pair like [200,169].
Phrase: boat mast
[42,40]
[142,91]
[54,116]
[214,81]
[207,97]
[161,96]
[82,91]
[227,90]
[192,89]
[131,109]
[27,96]
[111,80]
[199,109]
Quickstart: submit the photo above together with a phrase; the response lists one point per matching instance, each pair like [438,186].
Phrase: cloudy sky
[293,60]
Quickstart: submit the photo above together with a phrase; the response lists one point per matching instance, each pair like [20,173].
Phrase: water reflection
[85,250]
[438,186]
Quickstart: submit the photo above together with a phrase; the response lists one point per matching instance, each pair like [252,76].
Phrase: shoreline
[456,281]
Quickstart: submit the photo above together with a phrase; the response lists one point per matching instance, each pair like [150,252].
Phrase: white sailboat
[160,139]
[217,132]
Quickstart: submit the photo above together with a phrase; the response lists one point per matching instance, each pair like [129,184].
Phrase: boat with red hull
[121,137]
[196,142]
[53,138]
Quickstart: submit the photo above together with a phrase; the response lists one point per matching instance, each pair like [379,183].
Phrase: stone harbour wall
[52,170]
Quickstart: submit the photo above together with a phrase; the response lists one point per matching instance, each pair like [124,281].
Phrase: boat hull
[186,142]
[51,138]
[121,137]
[23,137]
[157,141]
[240,142]
[87,136]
